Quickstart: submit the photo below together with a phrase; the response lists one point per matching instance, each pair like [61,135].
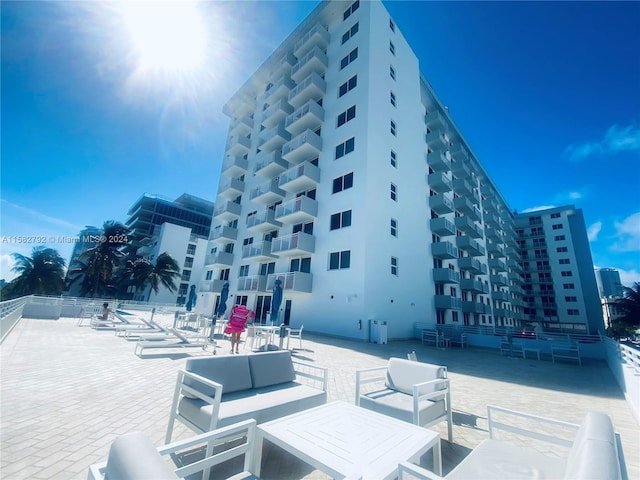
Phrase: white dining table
[347,441]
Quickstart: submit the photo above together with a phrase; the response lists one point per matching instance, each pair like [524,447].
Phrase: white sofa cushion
[403,374]
[231,371]
[133,457]
[271,368]
[400,405]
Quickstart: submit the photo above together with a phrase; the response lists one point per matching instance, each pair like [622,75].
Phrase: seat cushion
[400,405]
[403,374]
[493,459]
[594,453]
[262,404]
[132,456]
[271,368]
[232,371]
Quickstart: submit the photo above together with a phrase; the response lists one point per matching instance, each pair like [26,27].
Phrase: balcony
[219,259]
[438,182]
[491,220]
[514,276]
[296,244]
[459,153]
[465,206]
[292,281]
[440,204]
[263,222]
[231,188]
[308,117]
[471,265]
[311,88]
[234,166]
[241,126]
[298,210]
[499,280]
[461,169]
[226,211]
[446,302]
[273,138]
[495,233]
[253,283]
[442,227]
[283,67]
[270,164]
[300,178]
[144,250]
[436,120]
[445,275]
[495,248]
[276,113]
[279,90]
[238,145]
[502,312]
[260,251]
[473,307]
[438,161]
[468,226]
[223,234]
[313,61]
[267,193]
[497,265]
[303,147]
[437,140]
[513,264]
[462,187]
[469,245]
[500,296]
[317,36]
[211,286]
[473,286]
[444,250]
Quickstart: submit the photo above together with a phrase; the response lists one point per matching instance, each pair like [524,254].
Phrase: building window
[224,274]
[345,147]
[561,249]
[564,261]
[340,220]
[244,271]
[348,114]
[394,266]
[191,249]
[394,192]
[568,286]
[392,72]
[567,273]
[267,268]
[349,58]
[300,265]
[559,238]
[393,128]
[350,33]
[555,215]
[557,226]
[339,260]
[393,159]
[392,25]
[348,86]
[573,311]
[188,262]
[570,299]
[354,6]
[392,98]
[209,275]
[186,275]
[392,48]
[342,183]
[394,227]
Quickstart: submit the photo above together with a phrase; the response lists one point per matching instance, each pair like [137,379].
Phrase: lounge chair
[115,320]
[173,339]
[131,331]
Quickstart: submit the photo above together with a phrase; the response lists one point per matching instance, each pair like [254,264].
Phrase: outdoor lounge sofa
[412,391]
[133,456]
[212,392]
[595,451]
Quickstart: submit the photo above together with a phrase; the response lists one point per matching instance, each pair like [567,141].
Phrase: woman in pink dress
[237,321]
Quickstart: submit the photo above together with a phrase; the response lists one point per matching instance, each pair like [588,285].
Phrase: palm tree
[164,272]
[96,266]
[629,305]
[42,274]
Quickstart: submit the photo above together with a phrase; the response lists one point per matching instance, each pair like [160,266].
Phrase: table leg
[257,454]
[437,458]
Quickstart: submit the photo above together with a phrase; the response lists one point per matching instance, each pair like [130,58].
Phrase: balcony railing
[211,286]
[440,204]
[439,161]
[226,211]
[219,259]
[273,138]
[231,188]
[234,166]
[263,222]
[313,61]
[303,147]
[298,210]
[436,120]
[445,275]
[311,88]
[253,283]
[238,145]
[241,126]
[258,251]
[292,281]
[298,243]
[442,227]
[308,117]
[472,247]
[270,164]
[300,178]
[267,193]
[438,182]
[276,113]
[437,140]
[223,233]
[444,250]
[317,36]
[279,90]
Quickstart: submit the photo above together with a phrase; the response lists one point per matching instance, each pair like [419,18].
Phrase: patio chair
[174,339]
[295,333]
[139,329]
[133,456]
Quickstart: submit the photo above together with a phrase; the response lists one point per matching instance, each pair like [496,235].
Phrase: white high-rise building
[345,177]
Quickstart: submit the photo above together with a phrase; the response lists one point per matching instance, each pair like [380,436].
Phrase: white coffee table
[347,441]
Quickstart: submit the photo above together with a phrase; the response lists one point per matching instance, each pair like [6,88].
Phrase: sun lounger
[131,331]
[115,320]
[174,339]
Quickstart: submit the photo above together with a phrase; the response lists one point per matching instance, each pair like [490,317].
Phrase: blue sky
[546,93]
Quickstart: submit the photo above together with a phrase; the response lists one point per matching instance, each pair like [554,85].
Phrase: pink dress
[238,319]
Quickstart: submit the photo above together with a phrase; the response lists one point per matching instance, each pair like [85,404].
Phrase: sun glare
[166,35]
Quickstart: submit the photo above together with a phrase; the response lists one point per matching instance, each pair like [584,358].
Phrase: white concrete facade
[306,179]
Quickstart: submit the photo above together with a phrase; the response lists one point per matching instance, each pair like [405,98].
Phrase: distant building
[345,177]
[609,284]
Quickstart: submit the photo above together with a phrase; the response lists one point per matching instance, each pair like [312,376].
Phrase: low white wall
[624,362]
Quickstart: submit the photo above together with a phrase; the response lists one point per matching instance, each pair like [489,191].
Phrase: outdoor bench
[431,336]
[214,392]
[566,351]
